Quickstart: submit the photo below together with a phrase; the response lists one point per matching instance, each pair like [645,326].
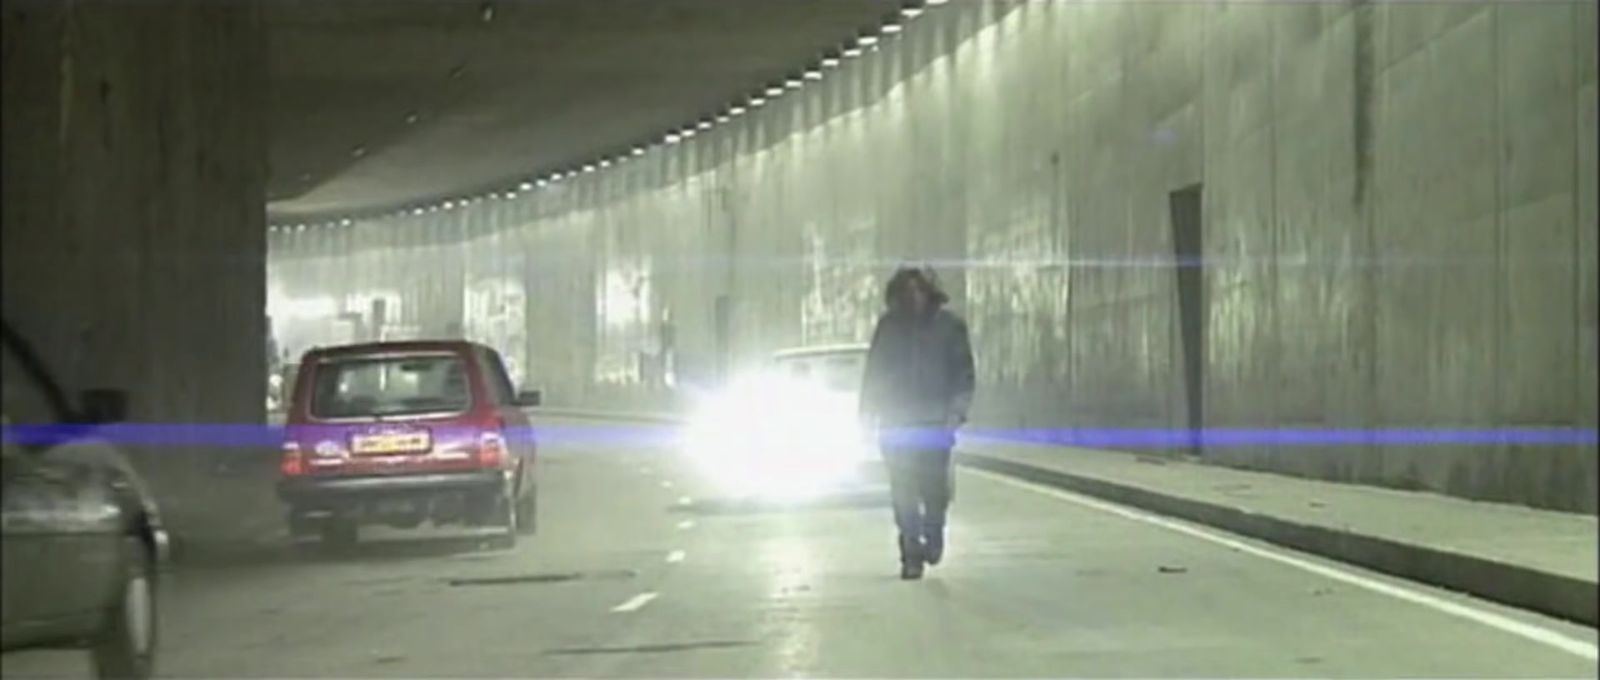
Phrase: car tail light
[293,463]
[492,450]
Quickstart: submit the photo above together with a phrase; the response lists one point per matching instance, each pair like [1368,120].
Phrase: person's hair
[895,291]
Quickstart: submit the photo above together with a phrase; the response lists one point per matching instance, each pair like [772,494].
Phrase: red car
[402,433]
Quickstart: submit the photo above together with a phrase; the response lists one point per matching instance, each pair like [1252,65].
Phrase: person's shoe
[911,570]
[911,557]
[933,548]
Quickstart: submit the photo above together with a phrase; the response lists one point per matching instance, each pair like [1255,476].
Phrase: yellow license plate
[394,442]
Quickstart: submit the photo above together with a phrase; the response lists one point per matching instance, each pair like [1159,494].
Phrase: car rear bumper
[315,492]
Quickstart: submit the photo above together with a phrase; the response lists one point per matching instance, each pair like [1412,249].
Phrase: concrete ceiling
[380,103]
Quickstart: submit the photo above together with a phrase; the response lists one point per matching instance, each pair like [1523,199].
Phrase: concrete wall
[134,230]
[1399,203]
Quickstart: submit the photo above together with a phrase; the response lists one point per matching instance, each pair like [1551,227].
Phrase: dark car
[82,538]
[403,433]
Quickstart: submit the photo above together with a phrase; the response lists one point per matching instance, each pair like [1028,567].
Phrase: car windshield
[405,385]
[838,371]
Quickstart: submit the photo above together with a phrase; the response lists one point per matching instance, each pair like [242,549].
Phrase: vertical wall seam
[1502,297]
[1365,16]
[1580,31]
[1274,240]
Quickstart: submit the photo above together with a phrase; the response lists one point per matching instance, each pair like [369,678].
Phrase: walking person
[916,391]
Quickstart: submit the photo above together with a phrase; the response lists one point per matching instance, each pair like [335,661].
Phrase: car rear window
[390,386]
[840,371]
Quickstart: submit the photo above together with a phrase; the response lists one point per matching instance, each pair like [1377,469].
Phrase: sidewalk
[1532,559]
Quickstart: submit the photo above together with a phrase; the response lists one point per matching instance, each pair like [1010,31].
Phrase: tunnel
[1318,274]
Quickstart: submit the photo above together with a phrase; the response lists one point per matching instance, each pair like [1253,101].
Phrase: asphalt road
[625,580]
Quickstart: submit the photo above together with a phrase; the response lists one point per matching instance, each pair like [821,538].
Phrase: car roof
[393,347]
[820,350]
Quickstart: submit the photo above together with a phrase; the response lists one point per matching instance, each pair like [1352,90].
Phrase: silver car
[82,537]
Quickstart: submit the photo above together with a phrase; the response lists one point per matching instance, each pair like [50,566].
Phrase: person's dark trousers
[921,487]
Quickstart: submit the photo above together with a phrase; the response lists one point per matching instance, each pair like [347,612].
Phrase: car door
[86,527]
[32,500]
[25,603]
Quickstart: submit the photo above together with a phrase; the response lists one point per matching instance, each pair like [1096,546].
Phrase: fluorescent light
[525,186]
[852,52]
[830,62]
[793,84]
[936,3]
[774,91]
[605,163]
[449,205]
[758,101]
[345,222]
[722,118]
[638,151]
[588,167]
[705,125]
[867,40]
[687,133]
[813,75]
[911,12]
[891,29]
[672,139]
[736,111]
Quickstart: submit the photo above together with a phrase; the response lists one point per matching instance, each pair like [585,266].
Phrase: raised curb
[1556,595]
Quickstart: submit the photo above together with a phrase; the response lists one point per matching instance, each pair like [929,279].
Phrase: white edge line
[1544,636]
[635,603]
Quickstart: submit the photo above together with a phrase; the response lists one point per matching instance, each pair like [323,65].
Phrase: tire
[124,648]
[506,539]
[339,533]
[528,511]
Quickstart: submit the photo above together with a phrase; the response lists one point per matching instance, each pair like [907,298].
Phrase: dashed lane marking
[635,603]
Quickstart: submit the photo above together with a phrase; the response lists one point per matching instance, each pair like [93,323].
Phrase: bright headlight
[777,438]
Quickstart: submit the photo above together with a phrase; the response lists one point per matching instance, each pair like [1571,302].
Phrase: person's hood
[904,276]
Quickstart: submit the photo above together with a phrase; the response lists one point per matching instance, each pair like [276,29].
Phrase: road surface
[626,580]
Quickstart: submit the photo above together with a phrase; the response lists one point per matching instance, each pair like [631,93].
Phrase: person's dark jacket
[919,370]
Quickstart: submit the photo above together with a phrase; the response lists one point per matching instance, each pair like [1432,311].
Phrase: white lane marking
[1505,624]
[686,524]
[676,556]
[635,603]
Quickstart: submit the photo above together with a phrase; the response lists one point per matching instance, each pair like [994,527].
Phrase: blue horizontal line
[651,436]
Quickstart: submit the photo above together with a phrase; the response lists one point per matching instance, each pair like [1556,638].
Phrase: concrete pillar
[134,237]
